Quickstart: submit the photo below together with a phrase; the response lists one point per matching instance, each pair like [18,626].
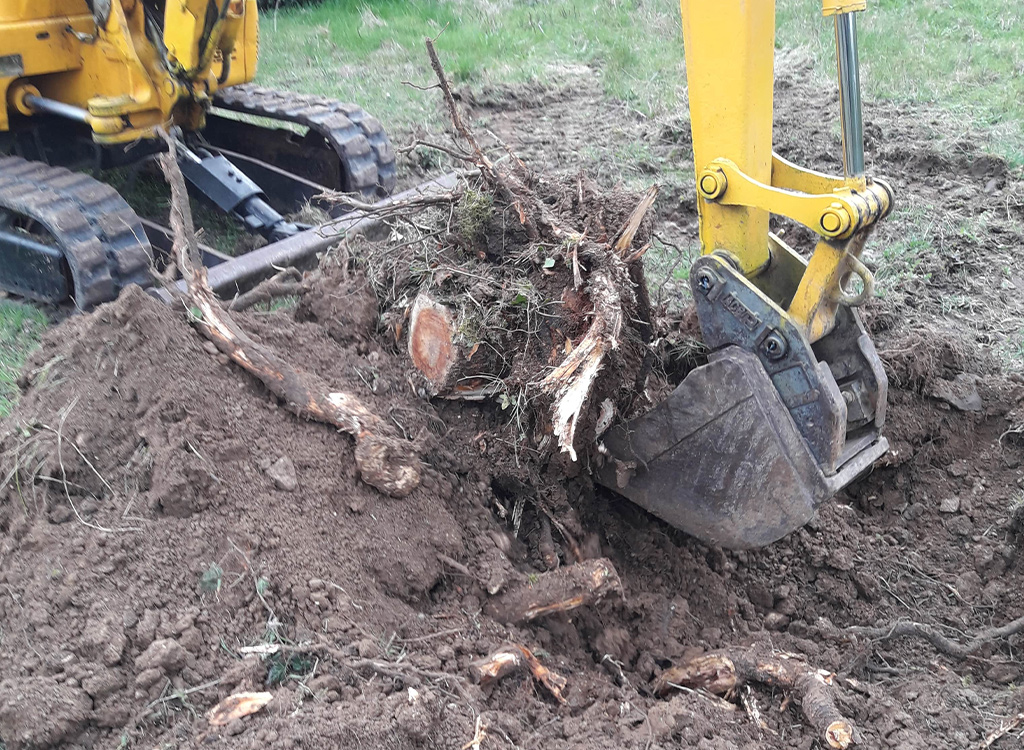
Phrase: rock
[668,718]
[866,584]
[282,472]
[960,393]
[958,469]
[103,638]
[103,683]
[775,621]
[949,504]
[417,714]
[969,585]
[147,678]
[841,558]
[367,649]
[164,654]
[760,596]
[38,712]
[1004,673]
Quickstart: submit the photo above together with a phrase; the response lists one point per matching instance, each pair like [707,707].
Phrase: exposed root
[515,658]
[725,672]
[281,284]
[385,462]
[560,590]
[920,630]
[571,382]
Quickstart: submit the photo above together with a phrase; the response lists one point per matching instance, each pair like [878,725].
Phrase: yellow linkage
[729,46]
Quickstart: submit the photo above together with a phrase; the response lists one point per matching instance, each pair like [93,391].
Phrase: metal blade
[722,459]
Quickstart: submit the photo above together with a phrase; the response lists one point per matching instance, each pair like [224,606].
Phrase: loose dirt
[165,517]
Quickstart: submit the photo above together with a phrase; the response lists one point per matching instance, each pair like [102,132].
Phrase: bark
[384,461]
[511,659]
[724,672]
[560,590]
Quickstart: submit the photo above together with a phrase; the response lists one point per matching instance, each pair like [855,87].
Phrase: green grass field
[20,329]
[965,57]
[962,58]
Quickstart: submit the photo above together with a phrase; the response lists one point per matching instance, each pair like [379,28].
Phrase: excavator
[88,83]
[789,408]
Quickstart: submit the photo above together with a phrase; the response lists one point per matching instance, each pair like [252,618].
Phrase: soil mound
[171,535]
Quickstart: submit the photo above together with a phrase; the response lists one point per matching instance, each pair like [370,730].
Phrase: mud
[164,514]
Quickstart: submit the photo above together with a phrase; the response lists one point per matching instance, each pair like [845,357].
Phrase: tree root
[281,284]
[570,383]
[515,658]
[384,461]
[560,590]
[906,628]
[724,672]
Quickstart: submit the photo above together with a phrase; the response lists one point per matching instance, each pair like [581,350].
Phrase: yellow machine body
[729,50]
[103,60]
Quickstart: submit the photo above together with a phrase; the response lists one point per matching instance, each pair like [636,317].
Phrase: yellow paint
[729,47]
[115,72]
[835,7]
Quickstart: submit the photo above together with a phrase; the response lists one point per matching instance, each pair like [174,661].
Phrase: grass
[21,326]
[965,57]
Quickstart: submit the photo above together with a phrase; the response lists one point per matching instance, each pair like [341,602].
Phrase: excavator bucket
[722,458]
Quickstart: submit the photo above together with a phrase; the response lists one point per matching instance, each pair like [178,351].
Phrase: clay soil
[170,535]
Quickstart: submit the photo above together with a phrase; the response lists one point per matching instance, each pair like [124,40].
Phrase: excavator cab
[790,407]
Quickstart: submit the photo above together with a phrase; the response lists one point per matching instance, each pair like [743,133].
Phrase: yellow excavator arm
[123,67]
[790,407]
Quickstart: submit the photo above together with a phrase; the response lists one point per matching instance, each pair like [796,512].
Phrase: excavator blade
[722,458]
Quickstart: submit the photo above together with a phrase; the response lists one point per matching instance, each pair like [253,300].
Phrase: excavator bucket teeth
[722,459]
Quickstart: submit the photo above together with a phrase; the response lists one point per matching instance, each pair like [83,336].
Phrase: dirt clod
[39,712]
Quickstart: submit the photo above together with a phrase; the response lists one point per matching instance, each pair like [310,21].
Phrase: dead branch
[515,658]
[570,383]
[384,461]
[281,284]
[906,628]
[402,670]
[389,208]
[1002,731]
[724,672]
[560,590]
[487,170]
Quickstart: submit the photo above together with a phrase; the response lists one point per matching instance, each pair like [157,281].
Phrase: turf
[966,58]
[21,325]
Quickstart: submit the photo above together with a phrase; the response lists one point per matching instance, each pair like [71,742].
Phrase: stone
[103,683]
[949,504]
[960,393]
[282,472]
[164,654]
[775,621]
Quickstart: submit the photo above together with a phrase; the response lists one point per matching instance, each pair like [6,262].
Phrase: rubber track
[102,238]
[358,138]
